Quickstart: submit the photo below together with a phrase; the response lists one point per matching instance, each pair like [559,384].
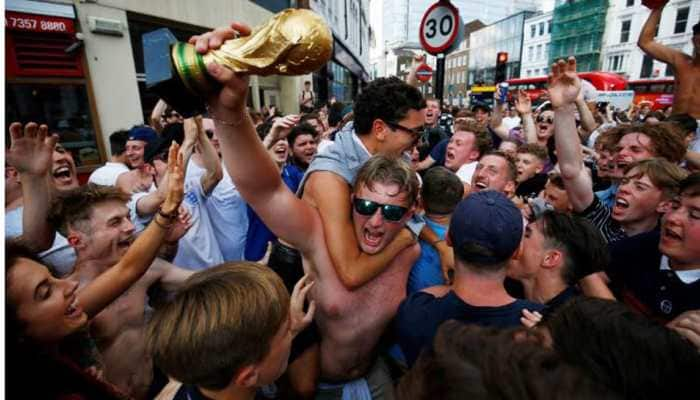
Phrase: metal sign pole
[440,77]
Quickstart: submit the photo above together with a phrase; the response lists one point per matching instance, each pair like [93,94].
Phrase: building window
[549,26]
[546,51]
[539,51]
[615,62]
[529,72]
[530,53]
[681,20]
[647,67]
[541,28]
[625,31]
[545,71]
[630,3]
[533,30]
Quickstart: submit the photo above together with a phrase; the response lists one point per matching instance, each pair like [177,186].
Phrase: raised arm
[655,49]
[523,105]
[564,87]
[255,174]
[31,153]
[496,122]
[156,114]
[117,279]
[331,195]
[210,158]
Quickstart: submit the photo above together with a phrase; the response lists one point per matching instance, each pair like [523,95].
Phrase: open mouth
[125,243]
[620,205]
[480,185]
[373,239]
[669,234]
[62,173]
[74,310]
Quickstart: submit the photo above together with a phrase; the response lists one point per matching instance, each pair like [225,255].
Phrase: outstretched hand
[282,126]
[31,149]
[564,83]
[299,319]
[235,87]
[523,104]
[176,180]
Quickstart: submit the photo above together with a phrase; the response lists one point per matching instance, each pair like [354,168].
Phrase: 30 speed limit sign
[439,27]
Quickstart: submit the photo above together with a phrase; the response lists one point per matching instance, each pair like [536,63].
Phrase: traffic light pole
[440,77]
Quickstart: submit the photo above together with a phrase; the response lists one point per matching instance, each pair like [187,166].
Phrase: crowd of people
[383,249]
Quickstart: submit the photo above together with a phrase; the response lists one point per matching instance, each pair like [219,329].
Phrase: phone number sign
[38,23]
[439,27]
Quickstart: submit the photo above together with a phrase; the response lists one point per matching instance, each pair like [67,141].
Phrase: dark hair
[472,362]
[117,142]
[263,129]
[441,191]
[14,250]
[585,250]
[664,142]
[623,350]
[335,114]
[389,99]
[690,186]
[696,29]
[685,122]
[301,129]
[534,149]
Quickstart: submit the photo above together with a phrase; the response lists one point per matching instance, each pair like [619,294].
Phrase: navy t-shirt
[420,315]
[636,275]
[439,151]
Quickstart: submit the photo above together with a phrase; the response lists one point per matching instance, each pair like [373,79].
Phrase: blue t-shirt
[438,152]
[607,196]
[259,235]
[426,272]
[420,315]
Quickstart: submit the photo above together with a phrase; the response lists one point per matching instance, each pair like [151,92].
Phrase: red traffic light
[502,57]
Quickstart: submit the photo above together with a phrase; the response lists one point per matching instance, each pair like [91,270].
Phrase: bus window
[657,88]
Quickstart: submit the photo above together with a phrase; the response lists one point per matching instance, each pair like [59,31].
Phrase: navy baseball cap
[490,220]
[143,133]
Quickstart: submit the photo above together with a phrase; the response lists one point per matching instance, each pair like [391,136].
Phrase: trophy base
[176,72]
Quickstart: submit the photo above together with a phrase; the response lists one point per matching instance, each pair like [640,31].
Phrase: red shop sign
[38,23]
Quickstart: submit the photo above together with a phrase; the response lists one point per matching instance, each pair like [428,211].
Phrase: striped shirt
[601,217]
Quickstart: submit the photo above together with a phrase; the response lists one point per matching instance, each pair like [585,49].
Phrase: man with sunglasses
[388,118]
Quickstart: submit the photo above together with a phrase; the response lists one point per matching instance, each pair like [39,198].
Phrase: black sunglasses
[390,212]
[413,131]
[549,120]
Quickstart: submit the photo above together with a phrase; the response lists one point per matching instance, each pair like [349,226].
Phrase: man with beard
[647,186]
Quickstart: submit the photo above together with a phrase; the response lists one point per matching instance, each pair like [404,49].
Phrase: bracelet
[167,216]
[232,124]
[164,226]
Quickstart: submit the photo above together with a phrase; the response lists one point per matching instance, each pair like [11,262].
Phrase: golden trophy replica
[293,42]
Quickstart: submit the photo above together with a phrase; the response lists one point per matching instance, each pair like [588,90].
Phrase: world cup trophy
[292,42]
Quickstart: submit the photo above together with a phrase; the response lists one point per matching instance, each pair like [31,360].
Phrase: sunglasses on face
[413,131]
[390,212]
[548,120]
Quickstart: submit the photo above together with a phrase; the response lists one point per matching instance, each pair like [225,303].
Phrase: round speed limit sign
[439,27]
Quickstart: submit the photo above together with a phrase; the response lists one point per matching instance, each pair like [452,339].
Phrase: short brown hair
[510,163]
[222,319]
[482,139]
[534,149]
[74,207]
[665,142]
[662,173]
[388,170]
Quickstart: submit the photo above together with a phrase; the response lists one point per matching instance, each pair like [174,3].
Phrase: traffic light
[501,64]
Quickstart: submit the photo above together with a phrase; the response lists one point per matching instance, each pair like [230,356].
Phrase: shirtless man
[686,68]
[350,321]
[95,220]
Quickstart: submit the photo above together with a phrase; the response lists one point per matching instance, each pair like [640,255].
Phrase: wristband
[167,216]
[164,226]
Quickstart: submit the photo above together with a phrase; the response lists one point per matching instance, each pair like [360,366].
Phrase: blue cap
[144,133]
[490,220]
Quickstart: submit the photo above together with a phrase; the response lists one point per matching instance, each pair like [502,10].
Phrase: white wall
[538,64]
[629,53]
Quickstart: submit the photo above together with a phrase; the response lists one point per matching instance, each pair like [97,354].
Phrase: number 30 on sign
[439,27]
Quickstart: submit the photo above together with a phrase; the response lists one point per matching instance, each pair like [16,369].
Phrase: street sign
[424,72]
[439,27]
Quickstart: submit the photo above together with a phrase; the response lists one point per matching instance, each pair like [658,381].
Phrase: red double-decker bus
[659,92]
[535,87]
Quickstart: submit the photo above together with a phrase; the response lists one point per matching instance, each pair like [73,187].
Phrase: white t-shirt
[61,257]
[198,249]
[107,174]
[466,171]
[511,122]
[229,218]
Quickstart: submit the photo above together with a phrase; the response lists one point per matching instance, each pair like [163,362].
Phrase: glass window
[539,51]
[625,31]
[549,26]
[542,28]
[533,29]
[65,108]
[530,53]
[681,20]
[630,3]
[647,66]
